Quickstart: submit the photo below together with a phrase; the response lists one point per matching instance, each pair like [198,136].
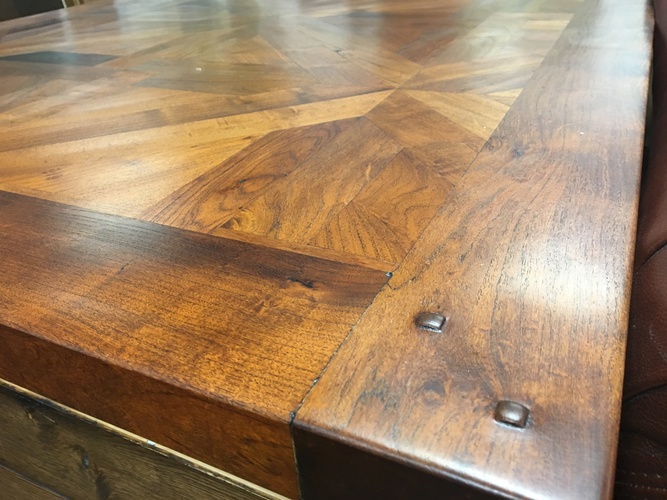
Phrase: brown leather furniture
[642,456]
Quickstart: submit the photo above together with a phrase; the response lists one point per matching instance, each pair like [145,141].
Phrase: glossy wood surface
[200,200]
[59,450]
[310,123]
[172,335]
[530,262]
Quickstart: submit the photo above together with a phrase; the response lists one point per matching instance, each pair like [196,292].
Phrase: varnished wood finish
[199,200]
[173,335]
[292,121]
[530,263]
[82,458]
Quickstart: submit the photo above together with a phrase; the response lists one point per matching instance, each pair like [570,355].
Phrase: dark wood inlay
[64,58]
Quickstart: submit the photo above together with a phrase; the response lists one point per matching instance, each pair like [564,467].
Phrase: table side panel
[14,485]
[203,344]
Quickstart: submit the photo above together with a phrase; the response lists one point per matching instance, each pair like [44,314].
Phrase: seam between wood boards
[310,251]
[372,447]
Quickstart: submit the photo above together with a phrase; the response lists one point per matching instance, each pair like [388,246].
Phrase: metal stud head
[430,321]
[511,413]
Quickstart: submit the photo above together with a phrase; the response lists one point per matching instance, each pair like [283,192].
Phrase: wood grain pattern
[383,220]
[530,260]
[83,458]
[146,320]
[145,112]
[297,207]
[200,200]
[15,486]
[213,199]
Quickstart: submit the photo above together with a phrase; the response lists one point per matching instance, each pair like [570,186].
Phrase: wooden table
[220,223]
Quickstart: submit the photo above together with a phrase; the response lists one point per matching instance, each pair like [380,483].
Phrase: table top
[219,222]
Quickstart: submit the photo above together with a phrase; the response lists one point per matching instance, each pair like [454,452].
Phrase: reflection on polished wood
[530,261]
[175,113]
[200,201]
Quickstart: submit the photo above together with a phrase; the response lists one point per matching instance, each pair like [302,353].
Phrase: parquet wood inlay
[215,66]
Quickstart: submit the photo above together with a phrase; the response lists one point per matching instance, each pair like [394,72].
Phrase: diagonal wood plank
[213,198]
[476,113]
[429,135]
[387,216]
[296,207]
[483,76]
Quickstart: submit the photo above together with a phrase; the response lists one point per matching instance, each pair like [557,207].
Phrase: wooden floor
[219,221]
